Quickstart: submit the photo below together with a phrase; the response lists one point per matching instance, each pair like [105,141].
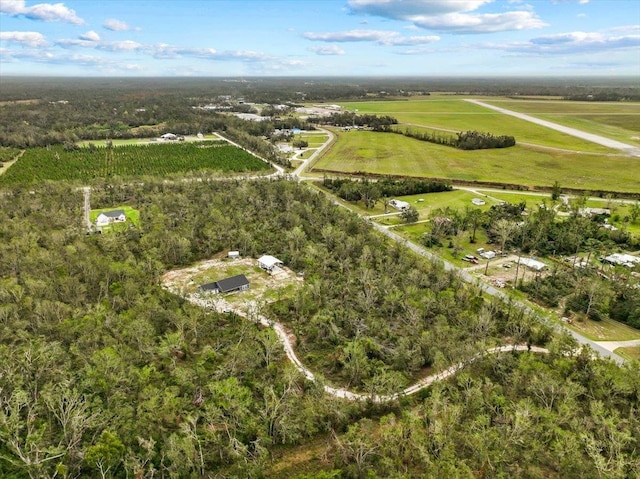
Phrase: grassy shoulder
[631,354]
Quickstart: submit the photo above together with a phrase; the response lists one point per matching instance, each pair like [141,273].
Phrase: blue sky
[320,37]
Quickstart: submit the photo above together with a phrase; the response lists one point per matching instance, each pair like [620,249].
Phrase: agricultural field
[617,120]
[128,161]
[393,154]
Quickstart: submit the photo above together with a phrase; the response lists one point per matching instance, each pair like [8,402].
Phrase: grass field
[629,353]
[453,113]
[616,120]
[605,330]
[393,154]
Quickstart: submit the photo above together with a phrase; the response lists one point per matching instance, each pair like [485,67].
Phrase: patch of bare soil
[263,287]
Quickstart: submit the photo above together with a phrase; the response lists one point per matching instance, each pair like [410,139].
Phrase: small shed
[478,201]
[269,263]
[227,285]
[107,217]
[233,254]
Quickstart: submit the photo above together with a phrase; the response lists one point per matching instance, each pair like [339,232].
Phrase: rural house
[227,285]
[107,217]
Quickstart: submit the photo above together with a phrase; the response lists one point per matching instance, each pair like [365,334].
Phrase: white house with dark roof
[107,217]
[227,285]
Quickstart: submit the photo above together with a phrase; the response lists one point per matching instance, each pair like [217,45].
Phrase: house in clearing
[227,285]
[107,217]
[478,201]
[269,263]
[399,204]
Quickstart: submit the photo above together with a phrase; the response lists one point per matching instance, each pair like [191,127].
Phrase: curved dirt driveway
[600,140]
[285,339]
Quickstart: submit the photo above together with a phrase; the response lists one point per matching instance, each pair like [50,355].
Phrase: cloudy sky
[320,37]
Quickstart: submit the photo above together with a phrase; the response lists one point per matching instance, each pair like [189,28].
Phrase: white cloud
[406,9]
[47,12]
[572,42]
[328,50]
[380,37]
[90,36]
[116,25]
[452,16]
[481,23]
[27,39]
[124,46]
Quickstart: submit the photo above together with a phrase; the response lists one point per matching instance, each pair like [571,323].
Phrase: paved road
[298,171]
[631,150]
[487,288]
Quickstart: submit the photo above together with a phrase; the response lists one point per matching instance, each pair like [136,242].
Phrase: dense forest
[106,374]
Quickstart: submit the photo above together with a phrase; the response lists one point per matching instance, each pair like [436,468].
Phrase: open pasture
[616,120]
[455,114]
[393,154]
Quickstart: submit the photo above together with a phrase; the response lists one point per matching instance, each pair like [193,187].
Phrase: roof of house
[533,264]
[268,261]
[113,213]
[227,284]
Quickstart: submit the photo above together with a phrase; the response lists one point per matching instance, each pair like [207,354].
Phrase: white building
[399,204]
[269,263]
[107,217]
[478,202]
[533,264]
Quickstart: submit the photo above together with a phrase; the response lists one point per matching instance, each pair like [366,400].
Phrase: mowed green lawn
[456,114]
[394,154]
[617,120]
[133,217]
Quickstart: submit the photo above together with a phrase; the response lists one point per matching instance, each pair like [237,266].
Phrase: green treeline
[468,140]
[372,191]
[255,144]
[351,119]
[106,374]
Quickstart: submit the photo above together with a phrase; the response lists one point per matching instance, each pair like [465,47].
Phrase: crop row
[56,163]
